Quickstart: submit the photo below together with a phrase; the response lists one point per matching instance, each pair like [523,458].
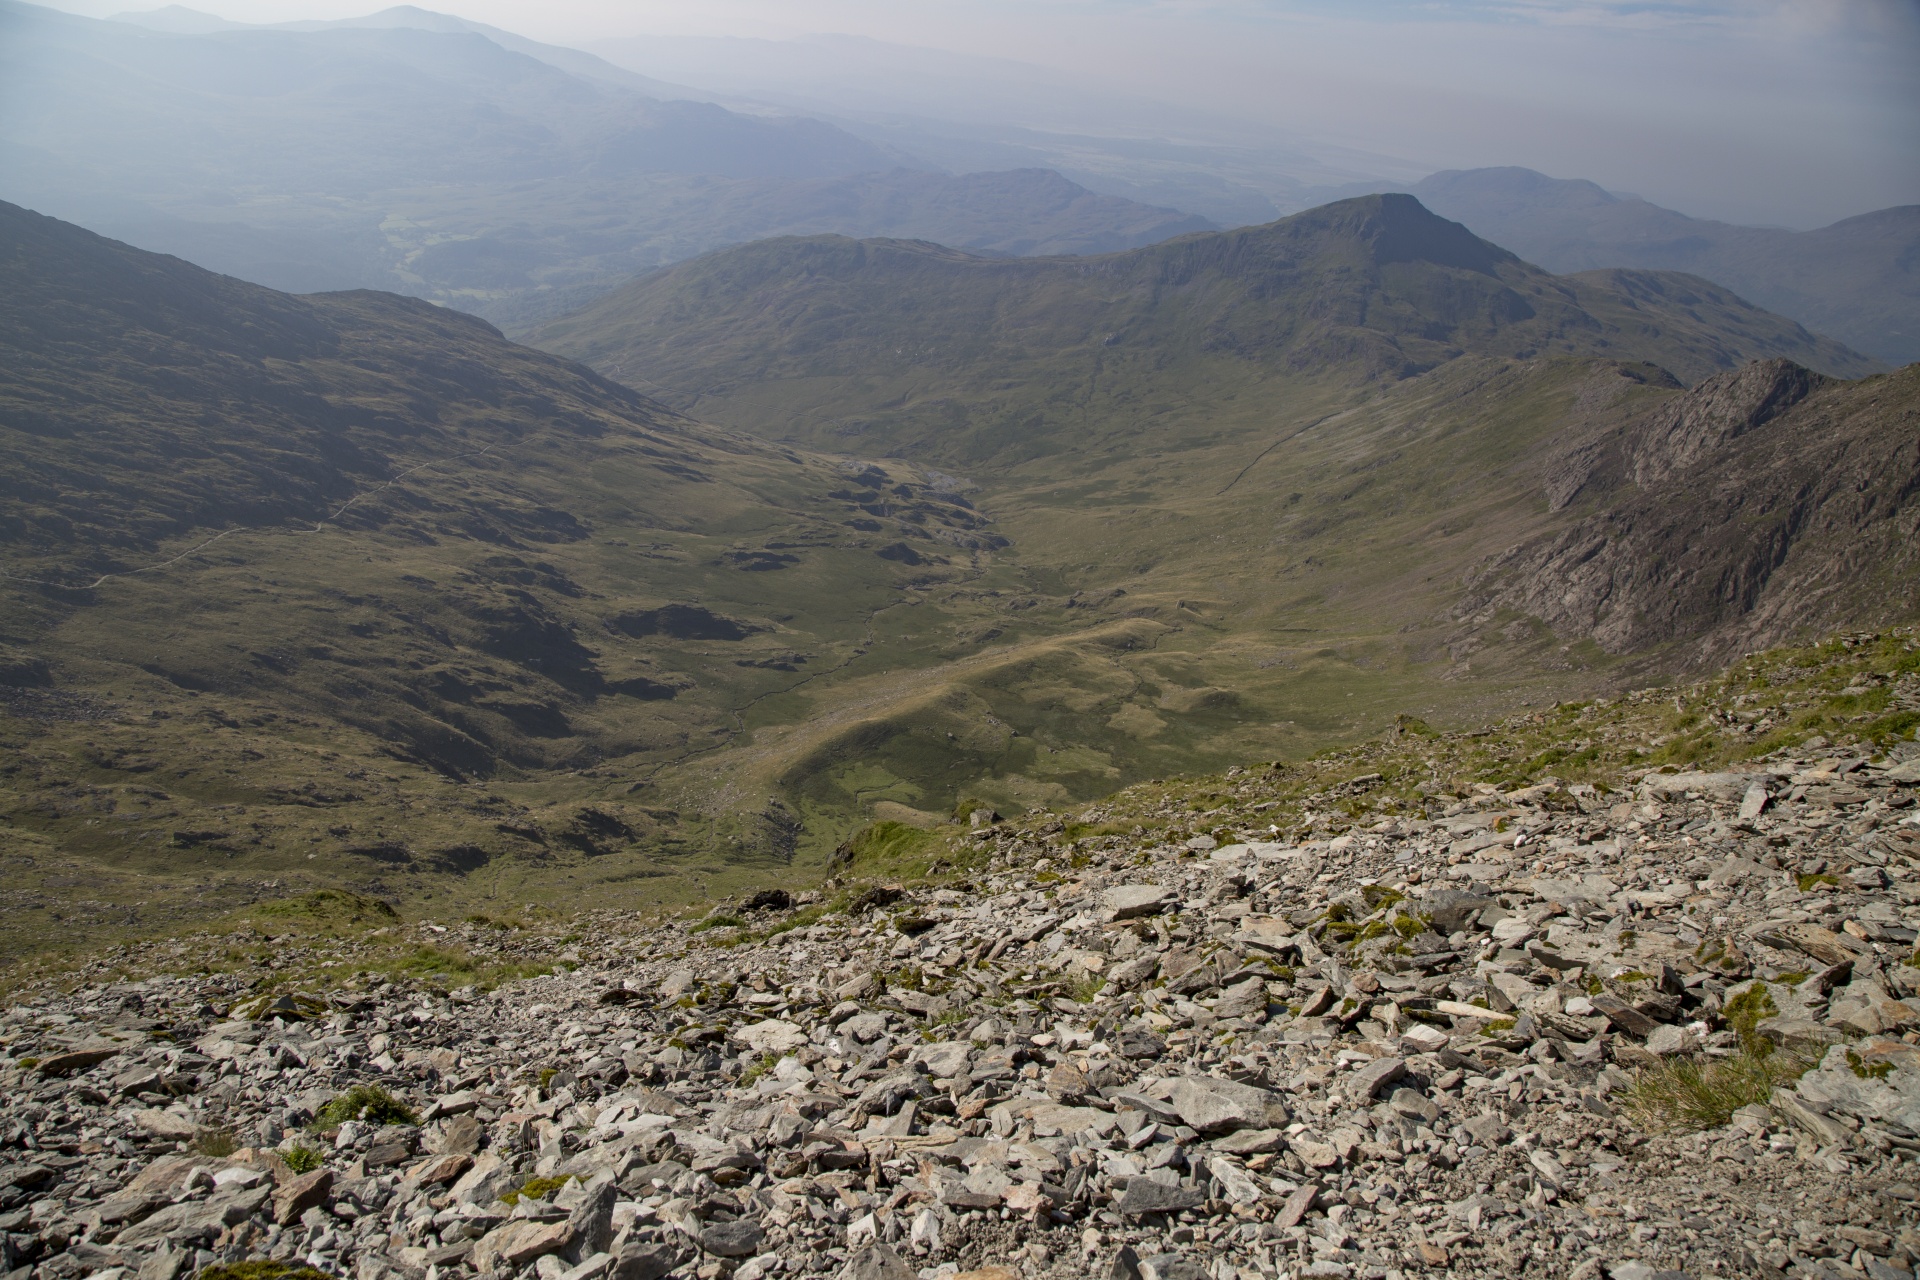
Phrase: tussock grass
[366,1102]
[1703,1093]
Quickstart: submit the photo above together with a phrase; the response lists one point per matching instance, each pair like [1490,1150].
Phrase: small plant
[217,1143]
[301,1158]
[368,1102]
[765,1063]
[1744,1012]
[1082,990]
[1812,879]
[548,1073]
[1686,1093]
[1859,1067]
[260,1269]
[718,920]
[537,1189]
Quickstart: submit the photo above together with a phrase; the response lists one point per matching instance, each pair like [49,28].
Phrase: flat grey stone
[1143,1196]
[740,1238]
[1129,901]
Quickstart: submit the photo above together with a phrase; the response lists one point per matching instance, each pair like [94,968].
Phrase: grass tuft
[1693,1093]
[217,1143]
[261,1269]
[367,1102]
[536,1189]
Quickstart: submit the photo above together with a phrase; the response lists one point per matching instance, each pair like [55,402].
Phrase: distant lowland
[428,155]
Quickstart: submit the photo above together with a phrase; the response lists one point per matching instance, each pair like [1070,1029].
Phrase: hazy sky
[1794,113]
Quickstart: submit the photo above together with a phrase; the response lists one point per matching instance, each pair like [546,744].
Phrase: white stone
[772,1036]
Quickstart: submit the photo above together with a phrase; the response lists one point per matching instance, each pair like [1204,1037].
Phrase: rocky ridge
[1409,1007]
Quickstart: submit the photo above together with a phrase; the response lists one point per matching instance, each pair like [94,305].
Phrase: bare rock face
[1686,431]
[1764,501]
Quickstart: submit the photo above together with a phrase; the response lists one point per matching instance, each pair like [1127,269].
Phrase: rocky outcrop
[1762,504]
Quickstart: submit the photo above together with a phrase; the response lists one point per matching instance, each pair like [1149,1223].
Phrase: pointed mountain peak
[1395,227]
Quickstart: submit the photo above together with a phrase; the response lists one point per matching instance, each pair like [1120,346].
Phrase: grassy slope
[456,691]
[1272,454]
[427,652]
[1851,694]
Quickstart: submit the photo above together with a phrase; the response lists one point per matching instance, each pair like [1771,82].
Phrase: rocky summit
[1420,1006]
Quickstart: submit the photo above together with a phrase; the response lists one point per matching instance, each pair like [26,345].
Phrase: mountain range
[428,154]
[441,158]
[1857,280]
[347,589]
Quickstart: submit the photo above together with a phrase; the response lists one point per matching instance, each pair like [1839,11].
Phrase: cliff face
[1766,501]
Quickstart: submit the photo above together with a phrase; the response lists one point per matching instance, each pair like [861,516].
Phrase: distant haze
[1792,114]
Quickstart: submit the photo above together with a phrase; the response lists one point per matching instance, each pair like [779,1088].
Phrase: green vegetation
[537,1189]
[262,1269]
[758,1068]
[1692,1093]
[889,850]
[301,1158]
[365,1102]
[1744,1011]
[1860,1067]
[331,907]
[215,1142]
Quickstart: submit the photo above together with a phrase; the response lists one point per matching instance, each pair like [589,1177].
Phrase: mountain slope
[1755,507]
[1335,422]
[948,357]
[423,154]
[1858,280]
[348,590]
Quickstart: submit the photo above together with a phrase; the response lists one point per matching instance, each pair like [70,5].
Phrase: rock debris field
[1664,1029]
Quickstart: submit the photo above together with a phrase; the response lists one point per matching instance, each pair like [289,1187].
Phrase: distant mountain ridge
[429,155]
[924,340]
[1857,280]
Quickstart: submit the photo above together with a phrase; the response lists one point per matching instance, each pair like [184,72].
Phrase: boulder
[1128,901]
[1144,1195]
[771,1036]
[300,1195]
[518,1242]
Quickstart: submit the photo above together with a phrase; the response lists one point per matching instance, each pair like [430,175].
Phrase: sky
[1777,113]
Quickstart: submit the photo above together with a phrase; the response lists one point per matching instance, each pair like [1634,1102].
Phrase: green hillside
[975,362]
[349,590]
